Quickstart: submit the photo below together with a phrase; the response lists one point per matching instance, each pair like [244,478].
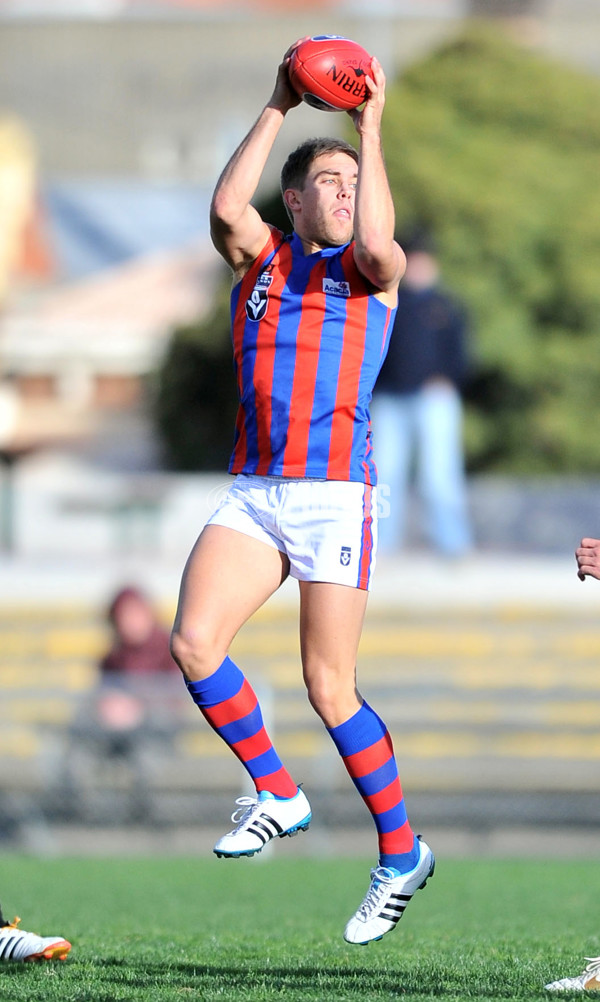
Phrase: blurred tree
[496,149]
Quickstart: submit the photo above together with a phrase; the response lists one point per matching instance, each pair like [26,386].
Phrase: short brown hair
[296,167]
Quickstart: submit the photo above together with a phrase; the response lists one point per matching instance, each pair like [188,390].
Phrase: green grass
[161,930]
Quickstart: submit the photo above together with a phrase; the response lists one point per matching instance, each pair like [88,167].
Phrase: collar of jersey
[296,245]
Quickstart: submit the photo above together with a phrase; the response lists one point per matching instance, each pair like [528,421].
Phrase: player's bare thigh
[331,620]
[228,576]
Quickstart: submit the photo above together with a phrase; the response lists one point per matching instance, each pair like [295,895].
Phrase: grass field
[162,930]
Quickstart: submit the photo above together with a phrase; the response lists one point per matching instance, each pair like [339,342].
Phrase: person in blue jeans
[417,410]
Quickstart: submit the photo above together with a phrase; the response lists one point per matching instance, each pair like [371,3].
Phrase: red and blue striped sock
[229,704]
[366,747]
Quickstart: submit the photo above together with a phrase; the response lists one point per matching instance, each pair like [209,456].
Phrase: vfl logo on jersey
[258,301]
[332,288]
[345,555]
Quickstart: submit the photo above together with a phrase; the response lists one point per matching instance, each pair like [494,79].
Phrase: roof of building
[116,320]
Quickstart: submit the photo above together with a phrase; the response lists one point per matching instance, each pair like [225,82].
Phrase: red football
[328,72]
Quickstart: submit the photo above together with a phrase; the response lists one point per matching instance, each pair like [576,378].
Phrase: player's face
[326,217]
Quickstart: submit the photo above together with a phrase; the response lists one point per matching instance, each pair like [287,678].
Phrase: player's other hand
[369,115]
[587,556]
[284,96]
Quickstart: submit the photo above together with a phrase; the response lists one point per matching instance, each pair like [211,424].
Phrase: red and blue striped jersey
[309,339]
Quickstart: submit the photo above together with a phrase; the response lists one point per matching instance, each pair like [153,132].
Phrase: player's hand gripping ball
[328,72]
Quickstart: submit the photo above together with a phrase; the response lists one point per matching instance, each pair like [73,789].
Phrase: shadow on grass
[310,981]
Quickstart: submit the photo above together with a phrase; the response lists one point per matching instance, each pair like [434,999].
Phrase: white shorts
[326,528]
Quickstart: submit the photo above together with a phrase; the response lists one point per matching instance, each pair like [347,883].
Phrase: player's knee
[180,650]
[195,654]
[323,696]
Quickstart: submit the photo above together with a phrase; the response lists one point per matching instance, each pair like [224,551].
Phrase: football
[328,72]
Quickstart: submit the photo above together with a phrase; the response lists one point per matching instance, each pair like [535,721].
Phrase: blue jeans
[421,430]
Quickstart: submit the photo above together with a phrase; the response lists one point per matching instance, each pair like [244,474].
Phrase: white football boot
[260,820]
[387,897]
[589,981]
[16,944]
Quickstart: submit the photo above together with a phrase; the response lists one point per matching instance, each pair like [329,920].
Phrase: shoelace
[16,920]
[593,966]
[243,813]
[380,876]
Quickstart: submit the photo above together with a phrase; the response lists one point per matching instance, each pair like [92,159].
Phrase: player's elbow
[224,212]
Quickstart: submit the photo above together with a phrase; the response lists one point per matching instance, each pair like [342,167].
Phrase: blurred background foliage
[494,148]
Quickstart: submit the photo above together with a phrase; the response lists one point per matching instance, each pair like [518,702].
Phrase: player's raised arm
[378,257]
[237,230]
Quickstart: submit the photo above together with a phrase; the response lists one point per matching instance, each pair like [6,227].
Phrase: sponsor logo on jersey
[258,301]
[345,555]
[331,288]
